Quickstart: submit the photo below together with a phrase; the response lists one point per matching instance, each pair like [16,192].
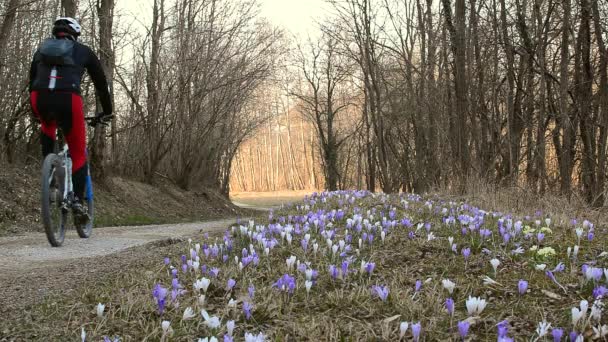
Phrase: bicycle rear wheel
[54,216]
[84,231]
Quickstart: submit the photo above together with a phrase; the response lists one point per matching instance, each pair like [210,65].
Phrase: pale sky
[297,16]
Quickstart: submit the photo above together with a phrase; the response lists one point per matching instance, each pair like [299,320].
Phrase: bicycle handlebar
[96,120]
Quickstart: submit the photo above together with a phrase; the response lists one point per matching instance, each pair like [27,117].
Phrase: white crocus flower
[569,251]
[230,327]
[600,332]
[518,251]
[489,281]
[254,338]
[308,285]
[232,303]
[213,322]
[83,335]
[448,285]
[100,309]
[543,328]
[334,249]
[576,316]
[208,339]
[188,314]
[166,325]
[575,251]
[383,236]
[201,300]
[495,263]
[403,329]
[451,240]
[541,267]
[315,247]
[596,310]
[202,284]
[584,307]
[475,305]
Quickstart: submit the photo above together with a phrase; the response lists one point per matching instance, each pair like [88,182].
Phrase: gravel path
[32,251]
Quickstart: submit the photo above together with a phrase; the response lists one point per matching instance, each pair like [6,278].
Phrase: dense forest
[393,95]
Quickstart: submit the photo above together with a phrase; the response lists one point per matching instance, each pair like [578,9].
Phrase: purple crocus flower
[557,334]
[160,294]
[380,291]
[184,268]
[590,236]
[416,329]
[411,235]
[230,284]
[184,259]
[251,291]
[225,258]
[304,244]
[540,237]
[573,335]
[449,305]
[503,329]
[600,292]
[463,329]
[228,338]
[167,261]
[175,284]
[522,286]
[369,268]
[214,272]
[418,285]
[333,271]
[466,252]
[559,268]
[247,307]
[174,272]
[598,273]
[286,283]
[344,269]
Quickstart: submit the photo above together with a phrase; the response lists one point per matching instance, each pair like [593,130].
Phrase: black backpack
[58,52]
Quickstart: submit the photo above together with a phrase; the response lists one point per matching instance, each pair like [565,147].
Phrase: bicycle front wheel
[54,215]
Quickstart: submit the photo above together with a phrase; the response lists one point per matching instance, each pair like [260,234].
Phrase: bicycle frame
[66,161]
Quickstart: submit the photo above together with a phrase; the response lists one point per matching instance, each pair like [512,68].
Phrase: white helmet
[66,25]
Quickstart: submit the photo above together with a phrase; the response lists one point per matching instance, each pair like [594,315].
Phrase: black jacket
[70,76]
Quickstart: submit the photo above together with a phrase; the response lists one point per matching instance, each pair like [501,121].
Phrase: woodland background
[393,95]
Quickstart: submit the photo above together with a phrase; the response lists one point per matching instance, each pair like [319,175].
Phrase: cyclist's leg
[48,128]
[76,139]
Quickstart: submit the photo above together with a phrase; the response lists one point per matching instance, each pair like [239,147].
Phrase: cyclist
[55,76]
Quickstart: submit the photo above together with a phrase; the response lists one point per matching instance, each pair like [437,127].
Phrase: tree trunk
[105,12]
[70,7]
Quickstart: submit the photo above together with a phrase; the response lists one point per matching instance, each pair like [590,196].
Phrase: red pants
[63,109]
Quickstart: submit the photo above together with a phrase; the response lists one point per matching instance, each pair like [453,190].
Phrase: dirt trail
[32,251]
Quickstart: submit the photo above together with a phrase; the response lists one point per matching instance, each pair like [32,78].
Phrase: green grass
[130,220]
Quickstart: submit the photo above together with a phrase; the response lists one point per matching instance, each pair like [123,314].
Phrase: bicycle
[58,193]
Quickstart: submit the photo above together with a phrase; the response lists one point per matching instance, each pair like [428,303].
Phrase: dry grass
[344,309]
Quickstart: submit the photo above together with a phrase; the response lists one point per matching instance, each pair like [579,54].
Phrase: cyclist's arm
[99,80]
